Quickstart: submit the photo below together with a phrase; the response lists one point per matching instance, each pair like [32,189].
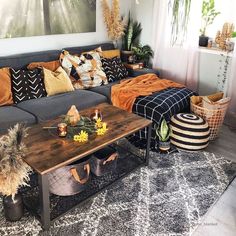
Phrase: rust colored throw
[123,95]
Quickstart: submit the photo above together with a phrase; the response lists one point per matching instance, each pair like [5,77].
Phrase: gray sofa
[38,110]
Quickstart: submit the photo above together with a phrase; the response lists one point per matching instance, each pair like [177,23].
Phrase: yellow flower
[98,123]
[102,130]
[81,137]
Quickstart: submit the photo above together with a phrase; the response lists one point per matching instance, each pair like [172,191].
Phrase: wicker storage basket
[214,118]
[104,161]
[71,179]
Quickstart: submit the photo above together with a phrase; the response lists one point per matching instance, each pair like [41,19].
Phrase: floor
[221,218]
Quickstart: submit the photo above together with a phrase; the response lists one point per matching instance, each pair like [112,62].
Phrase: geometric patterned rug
[170,197]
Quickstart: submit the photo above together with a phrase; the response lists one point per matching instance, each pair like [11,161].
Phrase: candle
[96,115]
[62,129]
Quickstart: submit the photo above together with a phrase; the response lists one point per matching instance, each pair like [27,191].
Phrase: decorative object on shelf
[212,109]
[62,130]
[189,132]
[163,132]
[14,172]
[180,10]
[143,54]
[73,116]
[209,14]
[114,23]
[223,37]
[74,178]
[130,38]
[104,161]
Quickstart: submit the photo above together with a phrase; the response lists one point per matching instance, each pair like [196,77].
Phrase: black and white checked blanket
[159,105]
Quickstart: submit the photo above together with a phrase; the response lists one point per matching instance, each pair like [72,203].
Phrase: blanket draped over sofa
[123,95]
[152,98]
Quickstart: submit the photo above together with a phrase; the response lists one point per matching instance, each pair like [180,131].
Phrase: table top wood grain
[47,152]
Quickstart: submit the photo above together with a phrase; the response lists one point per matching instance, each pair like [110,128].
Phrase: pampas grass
[14,172]
[115,25]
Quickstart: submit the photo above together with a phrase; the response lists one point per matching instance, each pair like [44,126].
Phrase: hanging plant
[180,10]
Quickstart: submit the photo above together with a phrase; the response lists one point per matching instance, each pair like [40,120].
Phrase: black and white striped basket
[189,132]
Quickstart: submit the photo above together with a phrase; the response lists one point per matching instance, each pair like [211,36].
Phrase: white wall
[143,13]
[41,43]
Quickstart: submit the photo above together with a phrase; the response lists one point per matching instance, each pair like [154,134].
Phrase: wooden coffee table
[47,153]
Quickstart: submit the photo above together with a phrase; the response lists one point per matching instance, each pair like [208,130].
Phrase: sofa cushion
[85,69]
[114,69]
[57,82]
[104,90]
[5,87]
[51,107]
[27,84]
[50,65]
[10,115]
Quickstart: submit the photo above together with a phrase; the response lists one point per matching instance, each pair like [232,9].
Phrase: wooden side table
[143,71]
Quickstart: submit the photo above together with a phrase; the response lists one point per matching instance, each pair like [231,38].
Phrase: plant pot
[125,55]
[203,41]
[164,146]
[13,210]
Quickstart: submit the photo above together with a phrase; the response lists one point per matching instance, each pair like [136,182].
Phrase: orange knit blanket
[123,95]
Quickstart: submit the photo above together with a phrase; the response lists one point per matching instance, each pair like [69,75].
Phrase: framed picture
[24,18]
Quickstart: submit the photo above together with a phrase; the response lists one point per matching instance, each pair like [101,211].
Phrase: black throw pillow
[27,84]
[114,69]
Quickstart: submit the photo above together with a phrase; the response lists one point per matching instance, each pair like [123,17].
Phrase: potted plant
[163,132]
[208,16]
[14,172]
[130,38]
[143,54]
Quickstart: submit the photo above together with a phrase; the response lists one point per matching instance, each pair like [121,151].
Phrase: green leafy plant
[208,14]
[131,35]
[163,132]
[180,10]
[234,35]
[143,53]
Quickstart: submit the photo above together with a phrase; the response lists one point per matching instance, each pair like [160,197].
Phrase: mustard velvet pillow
[110,53]
[5,87]
[57,82]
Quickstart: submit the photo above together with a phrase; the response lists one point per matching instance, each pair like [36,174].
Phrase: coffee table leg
[148,144]
[44,201]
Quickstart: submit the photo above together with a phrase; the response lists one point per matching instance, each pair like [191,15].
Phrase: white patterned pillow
[85,70]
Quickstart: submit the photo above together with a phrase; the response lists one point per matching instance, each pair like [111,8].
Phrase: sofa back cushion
[50,65]
[57,82]
[110,53]
[5,87]
[27,84]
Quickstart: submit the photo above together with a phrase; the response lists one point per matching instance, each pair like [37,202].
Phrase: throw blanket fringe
[123,95]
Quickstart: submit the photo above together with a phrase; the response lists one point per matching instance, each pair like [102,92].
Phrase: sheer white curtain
[179,63]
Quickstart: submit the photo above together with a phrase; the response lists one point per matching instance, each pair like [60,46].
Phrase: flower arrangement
[114,23]
[14,172]
[80,130]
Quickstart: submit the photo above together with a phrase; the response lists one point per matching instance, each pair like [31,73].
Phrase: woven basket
[104,161]
[71,179]
[214,118]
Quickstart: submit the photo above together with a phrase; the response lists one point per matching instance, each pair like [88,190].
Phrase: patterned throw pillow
[27,84]
[114,69]
[85,70]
